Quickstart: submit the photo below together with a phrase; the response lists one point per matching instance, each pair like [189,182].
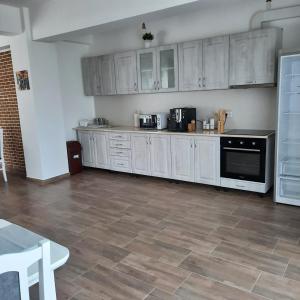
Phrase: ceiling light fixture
[268,4]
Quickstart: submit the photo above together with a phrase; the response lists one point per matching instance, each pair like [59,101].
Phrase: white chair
[20,262]
[2,163]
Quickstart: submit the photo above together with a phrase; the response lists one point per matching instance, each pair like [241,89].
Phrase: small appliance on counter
[156,121]
[180,118]
[85,123]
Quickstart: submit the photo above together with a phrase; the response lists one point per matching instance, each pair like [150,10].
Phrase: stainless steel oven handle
[241,149]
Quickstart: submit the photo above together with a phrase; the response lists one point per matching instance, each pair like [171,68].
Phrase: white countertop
[213,133]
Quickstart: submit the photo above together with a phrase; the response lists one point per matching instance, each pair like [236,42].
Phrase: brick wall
[9,116]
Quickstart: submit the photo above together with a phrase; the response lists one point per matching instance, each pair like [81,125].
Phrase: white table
[14,238]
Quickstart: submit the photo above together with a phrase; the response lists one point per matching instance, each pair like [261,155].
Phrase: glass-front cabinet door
[147,72]
[167,64]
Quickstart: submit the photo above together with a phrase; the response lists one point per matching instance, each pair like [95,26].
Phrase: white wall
[75,105]
[10,20]
[252,108]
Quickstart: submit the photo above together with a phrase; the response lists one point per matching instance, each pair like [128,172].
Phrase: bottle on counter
[136,119]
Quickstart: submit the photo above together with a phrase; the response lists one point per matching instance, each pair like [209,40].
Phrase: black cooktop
[249,132]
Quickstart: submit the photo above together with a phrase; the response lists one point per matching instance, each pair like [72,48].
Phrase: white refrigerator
[287,185]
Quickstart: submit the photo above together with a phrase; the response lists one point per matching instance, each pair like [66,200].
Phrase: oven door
[244,162]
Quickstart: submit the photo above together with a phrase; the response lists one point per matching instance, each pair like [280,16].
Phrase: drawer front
[290,188]
[119,136]
[119,164]
[119,144]
[243,185]
[120,152]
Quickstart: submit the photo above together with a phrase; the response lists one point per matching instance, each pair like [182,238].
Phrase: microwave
[155,121]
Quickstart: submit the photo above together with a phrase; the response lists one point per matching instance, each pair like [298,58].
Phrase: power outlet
[229,113]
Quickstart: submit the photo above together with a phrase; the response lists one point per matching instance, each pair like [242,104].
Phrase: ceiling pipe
[276,14]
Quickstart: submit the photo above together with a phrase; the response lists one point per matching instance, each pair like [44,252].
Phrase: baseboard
[49,180]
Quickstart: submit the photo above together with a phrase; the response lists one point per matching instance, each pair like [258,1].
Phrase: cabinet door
[91,76]
[160,152]
[108,78]
[207,160]
[167,65]
[146,66]
[101,155]
[86,140]
[216,63]
[190,66]
[140,154]
[253,56]
[126,73]
[182,148]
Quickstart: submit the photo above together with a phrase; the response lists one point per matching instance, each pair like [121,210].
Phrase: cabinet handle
[195,145]
[154,85]
[119,144]
[204,82]
[150,141]
[135,86]
[157,85]
[192,146]
[199,82]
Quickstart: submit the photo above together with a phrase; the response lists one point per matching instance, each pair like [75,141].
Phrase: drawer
[119,144]
[244,185]
[119,136]
[290,168]
[120,152]
[119,164]
[290,188]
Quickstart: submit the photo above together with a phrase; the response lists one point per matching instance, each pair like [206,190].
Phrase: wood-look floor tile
[277,288]
[117,285]
[287,249]
[293,269]
[155,273]
[87,295]
[165,252]
[221,270]
[198,243]
[245,238]
[261,260]
[197,287]
[161,295]
[273,230]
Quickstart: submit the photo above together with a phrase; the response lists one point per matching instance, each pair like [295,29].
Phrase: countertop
[213,133]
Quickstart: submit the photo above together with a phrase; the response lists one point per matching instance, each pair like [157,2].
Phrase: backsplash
[251,108]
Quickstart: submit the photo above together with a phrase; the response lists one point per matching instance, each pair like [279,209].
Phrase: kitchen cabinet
[253,57]
[85,138]
[126,73]
[158,69]
[196,159]
[147,70]
[203,65]
[140,154]
[94,149]
[207,160]
[167,64]
[182,153]
[91,76]
[215,63]
[100,150]
[108,77]
[190,66]
[160,148]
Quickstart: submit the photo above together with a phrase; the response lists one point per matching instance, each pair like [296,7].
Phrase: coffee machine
[180,118]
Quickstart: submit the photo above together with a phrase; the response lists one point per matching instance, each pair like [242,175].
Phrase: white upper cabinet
[108,78]
[91,75]
[101,153]
[167,65]
[216,63]
[140,154]
[182,152]
[147,71]
[253,57]
[207,160]
[160,148]
[190,66]
[126,73]
[88,152]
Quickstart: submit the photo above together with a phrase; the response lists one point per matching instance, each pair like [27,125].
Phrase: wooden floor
[146,238]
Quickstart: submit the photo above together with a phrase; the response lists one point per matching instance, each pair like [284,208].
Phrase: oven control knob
[241,143]
[253,143]
[229,142]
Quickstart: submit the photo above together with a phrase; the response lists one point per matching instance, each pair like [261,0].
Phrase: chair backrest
[1,144]
[19,262]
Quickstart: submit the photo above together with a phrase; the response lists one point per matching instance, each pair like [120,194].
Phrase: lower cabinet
[151,155]
[94,149]
[196,159]
[180,157]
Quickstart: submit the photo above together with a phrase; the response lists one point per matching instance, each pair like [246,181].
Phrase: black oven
[243,158]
